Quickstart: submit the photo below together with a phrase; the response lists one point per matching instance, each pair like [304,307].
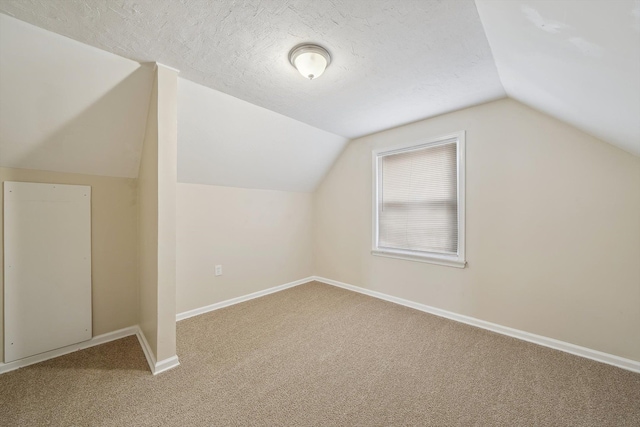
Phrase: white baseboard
[166,364]
[232,301]
[97,340]
[156,367]
[610,359]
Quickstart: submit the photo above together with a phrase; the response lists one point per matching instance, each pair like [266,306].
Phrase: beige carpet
[316,355]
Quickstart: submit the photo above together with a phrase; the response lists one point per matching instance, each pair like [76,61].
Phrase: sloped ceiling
[223,140]
[394,61]
[578,61]
[69,107]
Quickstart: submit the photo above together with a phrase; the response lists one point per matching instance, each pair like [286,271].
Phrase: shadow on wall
[105,138]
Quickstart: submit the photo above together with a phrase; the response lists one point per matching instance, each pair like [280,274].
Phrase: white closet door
[47,267]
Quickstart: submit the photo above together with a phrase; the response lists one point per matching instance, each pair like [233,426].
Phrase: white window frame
[457,260]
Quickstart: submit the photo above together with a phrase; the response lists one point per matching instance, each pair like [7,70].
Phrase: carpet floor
[316,355]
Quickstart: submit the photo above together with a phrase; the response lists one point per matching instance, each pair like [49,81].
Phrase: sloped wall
[229,142]
[553,229]
[576,61]
[69,107]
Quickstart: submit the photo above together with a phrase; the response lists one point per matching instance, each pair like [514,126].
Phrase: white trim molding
[408,256]
[598,356]
[238,300]
[97,340]
[156,367]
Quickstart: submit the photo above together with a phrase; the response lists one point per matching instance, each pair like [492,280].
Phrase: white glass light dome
[310,60]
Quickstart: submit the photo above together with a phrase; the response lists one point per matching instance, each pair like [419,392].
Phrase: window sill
[420,258]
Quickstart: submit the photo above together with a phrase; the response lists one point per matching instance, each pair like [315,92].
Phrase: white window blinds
[418,199]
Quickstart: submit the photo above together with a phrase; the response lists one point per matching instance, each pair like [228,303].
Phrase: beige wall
[113,245]
[553,229]
[148,225]
[262,238]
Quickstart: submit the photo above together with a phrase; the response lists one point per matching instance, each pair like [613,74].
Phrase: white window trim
[458,260]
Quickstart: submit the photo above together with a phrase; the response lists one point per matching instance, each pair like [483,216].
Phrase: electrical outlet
[218,270]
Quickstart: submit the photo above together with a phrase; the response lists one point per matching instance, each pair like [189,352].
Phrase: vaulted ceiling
[393,62]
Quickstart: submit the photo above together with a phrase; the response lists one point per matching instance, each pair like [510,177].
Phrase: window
[418,201]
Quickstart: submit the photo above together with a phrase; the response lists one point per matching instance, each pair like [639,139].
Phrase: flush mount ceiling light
[310,60]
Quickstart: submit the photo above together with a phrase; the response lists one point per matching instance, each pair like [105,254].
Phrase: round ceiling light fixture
[310,60]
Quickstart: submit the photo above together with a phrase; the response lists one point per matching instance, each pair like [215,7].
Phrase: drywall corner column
[156,217]
[148,226]
[167,84]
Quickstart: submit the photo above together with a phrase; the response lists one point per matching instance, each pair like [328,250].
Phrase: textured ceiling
[393,61]
[578,61]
